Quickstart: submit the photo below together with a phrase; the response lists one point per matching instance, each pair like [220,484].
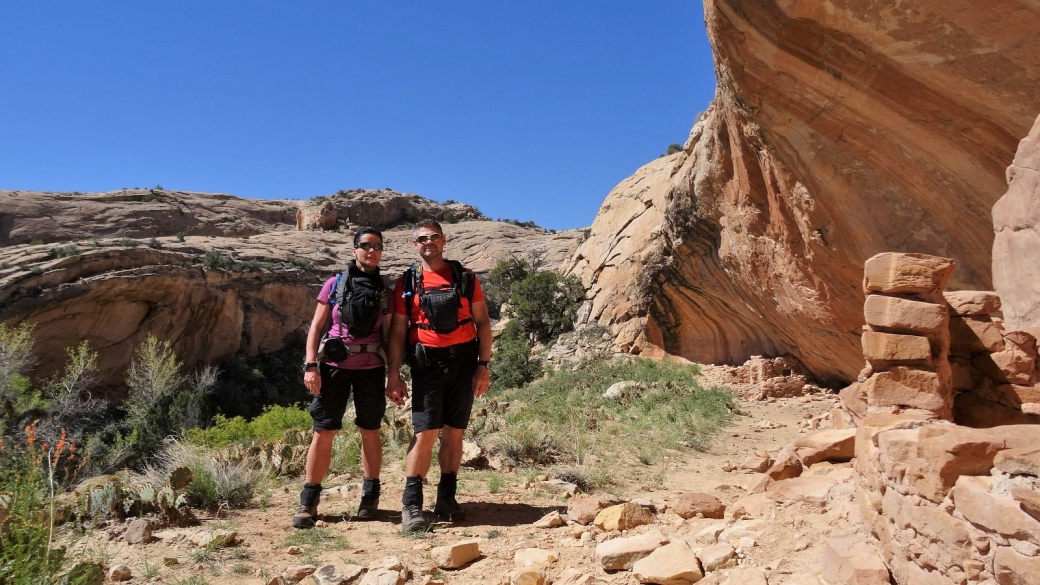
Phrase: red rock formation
[839,130]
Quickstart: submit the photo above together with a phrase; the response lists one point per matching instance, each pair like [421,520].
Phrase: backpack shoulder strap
[409,279]
[463,279]
[343,285]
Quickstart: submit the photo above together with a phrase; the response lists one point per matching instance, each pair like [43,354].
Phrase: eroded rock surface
[839,130]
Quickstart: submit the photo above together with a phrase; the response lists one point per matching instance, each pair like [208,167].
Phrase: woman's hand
[312,380]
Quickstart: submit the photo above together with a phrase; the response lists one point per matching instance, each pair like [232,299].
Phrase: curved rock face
[1016,219]
[250,289]
[839,130]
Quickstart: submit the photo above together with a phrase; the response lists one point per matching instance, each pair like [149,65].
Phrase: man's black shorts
[442,392]
[368,386]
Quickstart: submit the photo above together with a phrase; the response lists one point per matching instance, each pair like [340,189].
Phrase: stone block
[893,347]
[974,334]
[537,557]
[332,575]
[962,373]
[974,499]
[689,505]
[896,449]
[893,272]
[583,509]
[811,489]
[753,506]
[1020,461]
[827,445]
[947,452]
[840,419]
[528,576]
[455,556]
[904,314]
[745,576]
[854,399]
[972,302]
[1028,499]
[755,463]
[1010,366]
[139,532]
[1011,568]
[787,464]
[672,564]
[850,560]
[622,553]
[918,575]
[623,517]
[572,576]
[909,388]
[720,556]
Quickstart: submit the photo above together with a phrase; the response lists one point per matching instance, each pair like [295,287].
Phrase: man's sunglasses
[429,238]
[370,246]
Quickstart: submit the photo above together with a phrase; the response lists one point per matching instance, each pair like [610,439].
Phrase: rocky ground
[777,535]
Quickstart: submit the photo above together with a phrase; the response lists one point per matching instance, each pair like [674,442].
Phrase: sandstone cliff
[239,277]
[838,130]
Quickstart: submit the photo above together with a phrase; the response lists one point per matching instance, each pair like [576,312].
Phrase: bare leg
[319,456]
[419,453]
[450,456]
[371,453]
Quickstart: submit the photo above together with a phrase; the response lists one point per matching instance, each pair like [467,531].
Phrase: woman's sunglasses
[370,246]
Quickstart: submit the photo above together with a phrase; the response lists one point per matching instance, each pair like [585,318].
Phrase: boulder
[904,314]
[1020,461]
[812,489]
[1028,499]
[622,553]
[120,573]
[572,576]
[720,556]
[332,575]
[787,465]
[893,347]
[528,576]
[550,520]
[455,556]
[689,505]
[584,509]
[537,557]
[672,564]
[382,576]
[850,560]
[974,499]
[1012,568]
[908,388]
[139,532]
[974,334]
[947,452]
[972,302]
[753,506]
[623,517]
[755,463]
[298,572]
[826,445]
[213,538]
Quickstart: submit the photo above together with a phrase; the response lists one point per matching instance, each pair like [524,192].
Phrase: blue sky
[529,110]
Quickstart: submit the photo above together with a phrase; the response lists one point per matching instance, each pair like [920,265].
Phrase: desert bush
[249,383]
[154,244]
[545,303]
[270,425]
[71,406]
[303,263]
[216,482]
[16,357]
[215,259]
[95,241]
[127,242]
[513,364]
[674,148]
[64,251]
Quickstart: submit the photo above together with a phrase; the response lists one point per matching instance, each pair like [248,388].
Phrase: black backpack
[440,304]
[360,301]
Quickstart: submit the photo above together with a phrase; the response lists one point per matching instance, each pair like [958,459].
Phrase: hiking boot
[305,516]
[368,508]
[412,519]
[448,510]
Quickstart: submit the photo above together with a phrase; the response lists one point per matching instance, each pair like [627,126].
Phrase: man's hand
[481,381]
[312,380]
[396,389]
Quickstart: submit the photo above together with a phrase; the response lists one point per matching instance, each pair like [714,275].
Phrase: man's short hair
[426,223]
[366,230]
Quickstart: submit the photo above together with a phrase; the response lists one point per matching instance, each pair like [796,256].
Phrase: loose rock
[456,555]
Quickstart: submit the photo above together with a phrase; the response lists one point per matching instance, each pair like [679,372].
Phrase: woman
[355,301]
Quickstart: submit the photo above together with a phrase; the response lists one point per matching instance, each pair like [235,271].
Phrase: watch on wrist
[309,365]
[484,363]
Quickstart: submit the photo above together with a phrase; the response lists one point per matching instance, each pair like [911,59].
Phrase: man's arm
[396,389]
[482,377]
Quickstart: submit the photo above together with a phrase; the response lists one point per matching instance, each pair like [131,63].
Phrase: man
[352,361]
[440,324]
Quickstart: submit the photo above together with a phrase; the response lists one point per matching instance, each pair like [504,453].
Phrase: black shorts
[369,386]
[442,391]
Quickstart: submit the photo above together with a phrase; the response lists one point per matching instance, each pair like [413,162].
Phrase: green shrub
[513,364]
[215,259]
[270,425]
[180,237]
[303,263]
[64,251]
[154,244]
[500,279]
[674,148]
[95,241]
[216,482]
[127,242]
[545,303]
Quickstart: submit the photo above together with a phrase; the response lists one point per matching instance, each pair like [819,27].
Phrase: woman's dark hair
[366,230]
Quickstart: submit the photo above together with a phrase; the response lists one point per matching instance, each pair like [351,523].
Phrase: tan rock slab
[572,576]
[1020,461]
[1011,568]
[787,465]
[974,499]
[689,505]
[298,572]
[895,347]
[550,520]
[120,573]
[1028,499]
[755,463]
[1010,366]
[753,506]
[974,335]
[624,516]
[972,302]
[715,558]
[622,553]
[213,538]
[947,452]
[528,576]
[672,564]
[897,313]
[382,576]
[745,576]
[455,556]
[826,445]
[893,272]
[538,557]
[908,388]
[850,560]
[583,509]
[812,489]
[332,575]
